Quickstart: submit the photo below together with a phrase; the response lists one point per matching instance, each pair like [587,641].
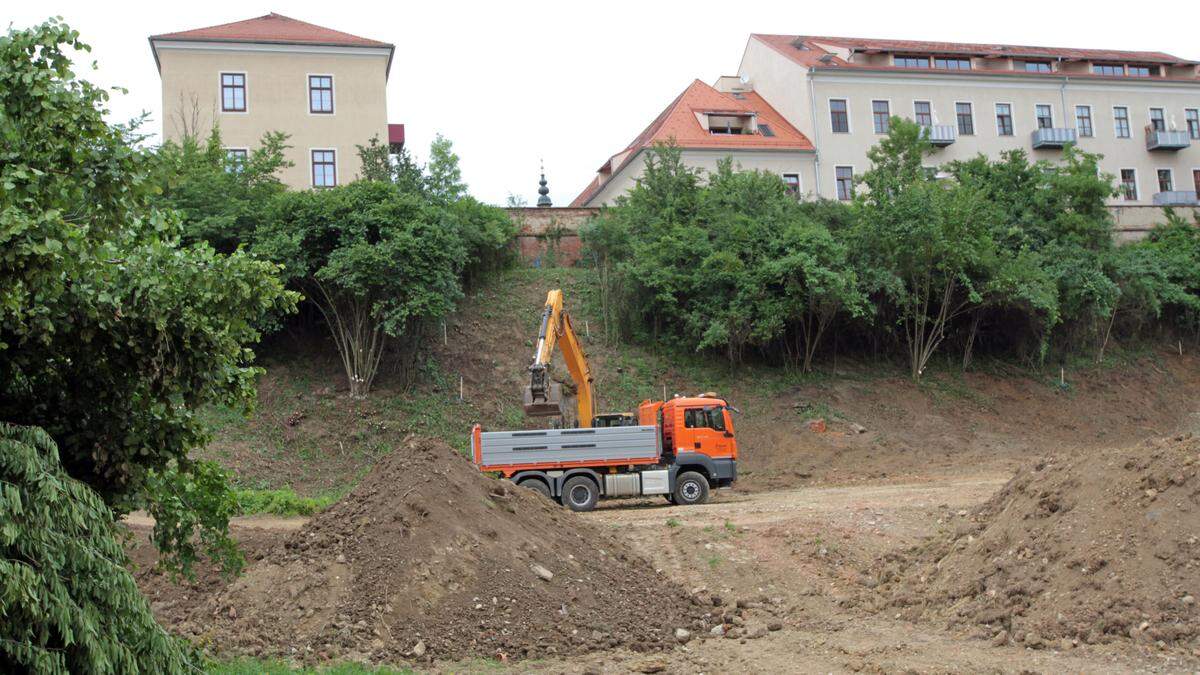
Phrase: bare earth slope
[1087,547]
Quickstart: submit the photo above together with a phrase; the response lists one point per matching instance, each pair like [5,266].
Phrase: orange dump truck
[681,449]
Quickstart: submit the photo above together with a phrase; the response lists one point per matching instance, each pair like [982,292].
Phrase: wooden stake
[460,388]
[445,338]
[1062,376]
[586,329]
[1181,347]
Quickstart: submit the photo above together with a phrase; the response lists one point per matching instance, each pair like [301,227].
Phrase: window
[235,159]
[1196,180]
[1121,121]
[1033,66]
[1141,71]
[1166,182]
[233,92]
[320,94]
[791,184]
[880,114]
[765,129]
[704,418]
[1004,120]
[1108,69]
[1192,115]
[1083,120]
[839,115]
[931,172]
[966,119]
[1157,120]
[1045,119]
[912,61]
[324,168]
[952,64]
[845,182]
[1129,191]
[924,113]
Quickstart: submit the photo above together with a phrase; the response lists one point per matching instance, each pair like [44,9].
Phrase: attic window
[731,124]
[902,61]
[739,96]
[766,130]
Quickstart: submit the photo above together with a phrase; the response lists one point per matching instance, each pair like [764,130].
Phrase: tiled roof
[678,123]
[806,50]
[272,28]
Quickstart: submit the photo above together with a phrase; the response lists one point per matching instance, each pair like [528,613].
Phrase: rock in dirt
[1071,547]
[427,548]
[682,635]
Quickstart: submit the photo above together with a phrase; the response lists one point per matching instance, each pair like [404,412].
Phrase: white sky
[512,82]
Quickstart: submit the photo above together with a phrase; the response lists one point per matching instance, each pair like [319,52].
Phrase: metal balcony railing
[1157,139]
[940,135]
[1176,198]
[1049,138]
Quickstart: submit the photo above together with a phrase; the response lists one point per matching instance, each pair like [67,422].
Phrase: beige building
[324,88]
[708,124]
[1140,110]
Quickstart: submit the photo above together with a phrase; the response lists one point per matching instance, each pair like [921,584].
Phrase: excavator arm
[543,398]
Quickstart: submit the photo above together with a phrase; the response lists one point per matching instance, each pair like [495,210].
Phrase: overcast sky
[511,83]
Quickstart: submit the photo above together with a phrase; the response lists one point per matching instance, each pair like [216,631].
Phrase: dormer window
[911,61]
[1124,70]
[1033,66]
[952,63]
[731,124]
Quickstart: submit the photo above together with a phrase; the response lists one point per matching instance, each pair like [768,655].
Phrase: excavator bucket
[550,405]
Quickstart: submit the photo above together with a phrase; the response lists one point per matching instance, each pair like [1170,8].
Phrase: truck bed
[558,448]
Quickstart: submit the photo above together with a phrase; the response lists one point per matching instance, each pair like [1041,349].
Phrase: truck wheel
[691,488]
[536,485]
[579,493]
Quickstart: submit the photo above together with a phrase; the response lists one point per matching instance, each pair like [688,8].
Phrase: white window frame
[799,181]
[221,92]
[835,181]
[829,111]
[1187,127]
[1036,125]
[1150,116]
[1128,122]
[1170,172]
[1012,114]
[1137,187]
[332,95]
[974,125]
[312,165]
[231,148]
[925,100]
[891,114]
[1091,117]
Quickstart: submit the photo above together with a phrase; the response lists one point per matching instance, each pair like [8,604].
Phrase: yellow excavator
[543,397]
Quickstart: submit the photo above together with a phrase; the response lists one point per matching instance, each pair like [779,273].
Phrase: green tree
[67,602]
[221,199]
[112,336]
[375,260]
[443,179]
[379,164]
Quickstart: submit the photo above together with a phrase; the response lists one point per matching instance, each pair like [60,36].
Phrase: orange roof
[807,50]
[678,123]
[272,28]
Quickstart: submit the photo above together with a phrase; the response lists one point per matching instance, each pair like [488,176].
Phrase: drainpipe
[816,129]
[1062,95]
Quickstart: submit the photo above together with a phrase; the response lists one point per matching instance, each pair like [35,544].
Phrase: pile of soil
[428,558]
[1091,547]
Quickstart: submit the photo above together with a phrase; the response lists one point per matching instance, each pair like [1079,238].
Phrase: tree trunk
[968,352]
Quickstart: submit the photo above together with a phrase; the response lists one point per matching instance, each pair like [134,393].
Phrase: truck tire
[537,485]
[691,488]
[580,493]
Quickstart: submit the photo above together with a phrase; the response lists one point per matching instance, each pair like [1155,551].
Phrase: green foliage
[283,502]
[220,199]
[67,601]
[112,335]
[443,180]
[378,164]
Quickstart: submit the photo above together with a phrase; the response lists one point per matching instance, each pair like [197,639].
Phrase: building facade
[1140,110]
[709,124]
[324,88]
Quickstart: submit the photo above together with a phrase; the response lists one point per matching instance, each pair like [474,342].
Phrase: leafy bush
[67,602]
[280,502]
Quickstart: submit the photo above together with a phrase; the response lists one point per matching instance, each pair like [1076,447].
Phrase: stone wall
[1135,222]
[549,236]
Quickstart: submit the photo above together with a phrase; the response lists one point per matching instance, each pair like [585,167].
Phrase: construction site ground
[793,553]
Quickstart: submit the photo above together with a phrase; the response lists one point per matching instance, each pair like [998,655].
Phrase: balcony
[1166,140]
[1050,138]
[940,135]
[1176,198]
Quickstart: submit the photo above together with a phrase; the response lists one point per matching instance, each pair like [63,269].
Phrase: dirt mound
[429,558]
[1090,547]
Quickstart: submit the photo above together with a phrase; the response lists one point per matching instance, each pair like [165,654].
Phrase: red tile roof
[678,123]
[807,50]
[272,28]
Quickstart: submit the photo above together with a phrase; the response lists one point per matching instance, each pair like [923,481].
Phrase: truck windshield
[704,418]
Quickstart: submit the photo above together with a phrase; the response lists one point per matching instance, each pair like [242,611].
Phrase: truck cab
[697,435]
